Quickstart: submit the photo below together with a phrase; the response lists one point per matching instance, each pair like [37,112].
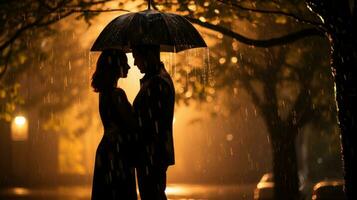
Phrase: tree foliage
[289,85]
[24,26]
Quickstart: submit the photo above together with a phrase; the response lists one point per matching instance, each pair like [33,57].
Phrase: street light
[19,128]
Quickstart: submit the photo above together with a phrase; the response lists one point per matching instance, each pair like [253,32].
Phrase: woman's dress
[114,176]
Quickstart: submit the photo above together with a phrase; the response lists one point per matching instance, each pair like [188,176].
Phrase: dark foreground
[174,191]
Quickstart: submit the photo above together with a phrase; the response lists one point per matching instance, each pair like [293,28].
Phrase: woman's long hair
[108,70]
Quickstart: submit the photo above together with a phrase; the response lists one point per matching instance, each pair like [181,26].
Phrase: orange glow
[176,190]
[19,129]
[131,84]
[186,190]
[19,191]
[77,152]
[20,120]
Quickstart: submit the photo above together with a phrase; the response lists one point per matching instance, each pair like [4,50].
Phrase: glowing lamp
[19,129]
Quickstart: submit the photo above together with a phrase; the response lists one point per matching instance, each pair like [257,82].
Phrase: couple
[135,137]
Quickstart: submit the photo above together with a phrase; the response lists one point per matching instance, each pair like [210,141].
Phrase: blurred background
[227,96]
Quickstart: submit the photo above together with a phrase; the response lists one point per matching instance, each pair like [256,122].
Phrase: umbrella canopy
[172,32]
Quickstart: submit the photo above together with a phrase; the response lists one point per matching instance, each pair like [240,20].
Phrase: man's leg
[152,182]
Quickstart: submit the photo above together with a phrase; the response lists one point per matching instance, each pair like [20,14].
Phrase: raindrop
[156,127]
[210,71]
[255,111]
[235,91]
[231,151]
[246,114]
[159,104]
[229,137]
[150,114]
[65,81]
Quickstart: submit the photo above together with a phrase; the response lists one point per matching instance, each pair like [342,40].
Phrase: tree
[37,77]
[284,112]
[201,10]
[24,23]
[340,24]
[339,20]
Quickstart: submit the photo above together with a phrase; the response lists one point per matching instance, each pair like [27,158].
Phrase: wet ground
[173,191]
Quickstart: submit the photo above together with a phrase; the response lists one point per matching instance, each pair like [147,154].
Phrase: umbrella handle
[149,4]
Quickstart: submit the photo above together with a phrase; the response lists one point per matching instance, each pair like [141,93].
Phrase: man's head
[146,57]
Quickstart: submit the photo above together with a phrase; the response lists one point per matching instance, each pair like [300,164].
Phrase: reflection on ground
[174,192]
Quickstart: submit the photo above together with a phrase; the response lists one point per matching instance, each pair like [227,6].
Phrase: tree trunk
[344,66]
[285,168]
[340,20]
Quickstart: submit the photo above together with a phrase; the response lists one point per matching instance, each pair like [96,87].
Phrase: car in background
[265,187]
[328,190]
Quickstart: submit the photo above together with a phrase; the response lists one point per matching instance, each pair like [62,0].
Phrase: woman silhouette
[114,177]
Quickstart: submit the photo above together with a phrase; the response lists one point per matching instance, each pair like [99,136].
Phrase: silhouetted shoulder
[120,95]
[161,83]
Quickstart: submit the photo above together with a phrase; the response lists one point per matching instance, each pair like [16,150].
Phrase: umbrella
[172,32]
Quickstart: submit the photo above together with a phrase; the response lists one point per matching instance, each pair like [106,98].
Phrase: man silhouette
[154,106]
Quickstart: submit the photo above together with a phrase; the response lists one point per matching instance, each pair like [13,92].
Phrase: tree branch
[292,37]
[84,4]
[249,88]
[45,5]
[18,33]
[297,18]
[28,26]
[7,59]
[52,10]
[49,22]
[303,102]
[99,11]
